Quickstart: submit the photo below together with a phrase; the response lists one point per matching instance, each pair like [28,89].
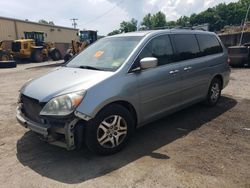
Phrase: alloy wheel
[215,92]
[112,131]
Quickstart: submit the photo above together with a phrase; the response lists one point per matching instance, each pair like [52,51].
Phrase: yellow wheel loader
[34,48]
[6,58]
[86,37]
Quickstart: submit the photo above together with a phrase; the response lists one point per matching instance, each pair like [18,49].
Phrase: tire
[104,136]
[55,54]
[67,57]
[8,64]
[5,56]
[214,92]
[79,131]
[37,56]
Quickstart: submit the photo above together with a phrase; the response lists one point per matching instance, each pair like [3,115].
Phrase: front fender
[110,91]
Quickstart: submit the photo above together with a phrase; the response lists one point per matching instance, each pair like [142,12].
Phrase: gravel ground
[196,147]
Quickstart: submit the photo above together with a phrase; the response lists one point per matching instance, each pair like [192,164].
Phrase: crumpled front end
[54,130]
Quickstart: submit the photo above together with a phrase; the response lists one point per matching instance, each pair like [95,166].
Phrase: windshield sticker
[117,63]
[98,54]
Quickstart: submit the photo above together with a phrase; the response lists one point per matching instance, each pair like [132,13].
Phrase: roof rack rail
[190,28]
[174,27]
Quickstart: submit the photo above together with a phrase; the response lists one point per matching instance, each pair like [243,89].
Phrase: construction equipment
[86,37]
[6,58]
[33,47]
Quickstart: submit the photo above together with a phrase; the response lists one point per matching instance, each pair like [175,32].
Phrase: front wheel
[37,56]
[214,92]
[110,130]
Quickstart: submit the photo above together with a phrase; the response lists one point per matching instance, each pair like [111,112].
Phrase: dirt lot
[197,147]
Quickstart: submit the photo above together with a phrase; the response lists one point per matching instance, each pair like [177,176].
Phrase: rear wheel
[110,131]
[214,92]
[37,56]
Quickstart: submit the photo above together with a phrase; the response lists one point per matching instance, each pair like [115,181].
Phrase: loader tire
[55,54]
[37,56]
[8,64]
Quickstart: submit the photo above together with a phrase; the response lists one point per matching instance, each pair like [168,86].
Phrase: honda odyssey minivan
[123,82]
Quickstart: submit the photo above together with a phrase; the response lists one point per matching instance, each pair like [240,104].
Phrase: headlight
[63,105]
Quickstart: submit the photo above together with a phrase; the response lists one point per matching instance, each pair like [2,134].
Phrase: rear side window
[159,47]
[186,46]
[209,44]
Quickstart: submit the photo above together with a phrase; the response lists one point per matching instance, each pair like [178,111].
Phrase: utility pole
[242,32]
[74,22]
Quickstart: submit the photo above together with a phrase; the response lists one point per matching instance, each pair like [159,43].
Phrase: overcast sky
[101,15]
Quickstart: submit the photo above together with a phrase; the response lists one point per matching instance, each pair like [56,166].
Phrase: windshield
[84,36]
[106,54]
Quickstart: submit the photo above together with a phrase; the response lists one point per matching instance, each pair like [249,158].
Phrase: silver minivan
[121,83]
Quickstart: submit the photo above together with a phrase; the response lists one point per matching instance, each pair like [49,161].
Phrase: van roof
[162,31]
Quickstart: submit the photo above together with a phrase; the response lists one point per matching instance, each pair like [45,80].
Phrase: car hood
[61,81]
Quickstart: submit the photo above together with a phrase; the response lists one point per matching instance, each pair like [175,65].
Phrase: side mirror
[148,62]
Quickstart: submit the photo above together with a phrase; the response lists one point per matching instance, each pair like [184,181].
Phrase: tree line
[217,17]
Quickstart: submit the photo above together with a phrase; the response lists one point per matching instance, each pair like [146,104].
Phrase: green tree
[217,17]
[42,21]
[171,24]
[147,22]
[115,32]
[128,26]
[155,21]
[183,21]
[159,20]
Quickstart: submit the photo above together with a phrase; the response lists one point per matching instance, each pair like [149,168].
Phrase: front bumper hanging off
[62,136]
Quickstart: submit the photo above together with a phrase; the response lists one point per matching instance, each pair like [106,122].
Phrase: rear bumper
[239,61]
[60,136]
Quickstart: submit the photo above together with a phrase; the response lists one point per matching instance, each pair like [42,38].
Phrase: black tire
[93,130]
[214,92]
[55,54]
[79,132]
[5,56]
[37,56]
[8,64]
[67,57]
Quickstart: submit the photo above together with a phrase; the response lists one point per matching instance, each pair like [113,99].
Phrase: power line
[74,22]
[105,13]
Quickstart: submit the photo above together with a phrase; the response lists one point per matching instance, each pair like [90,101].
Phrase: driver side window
[159,47]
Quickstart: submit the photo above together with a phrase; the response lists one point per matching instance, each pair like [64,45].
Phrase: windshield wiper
[88,67]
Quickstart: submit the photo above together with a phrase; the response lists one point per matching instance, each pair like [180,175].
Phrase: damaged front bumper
[62,134]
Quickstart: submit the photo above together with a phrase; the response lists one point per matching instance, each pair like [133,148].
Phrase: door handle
[173,71]
[187,68]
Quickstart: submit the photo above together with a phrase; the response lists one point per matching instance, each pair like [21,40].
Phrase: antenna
[74,22]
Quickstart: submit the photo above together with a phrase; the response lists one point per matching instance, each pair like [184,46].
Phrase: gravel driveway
[196,147]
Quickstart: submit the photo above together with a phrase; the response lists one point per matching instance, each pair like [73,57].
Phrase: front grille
[16,46]
[31,108]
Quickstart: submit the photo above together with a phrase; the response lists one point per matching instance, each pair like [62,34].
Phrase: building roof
[31,22]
